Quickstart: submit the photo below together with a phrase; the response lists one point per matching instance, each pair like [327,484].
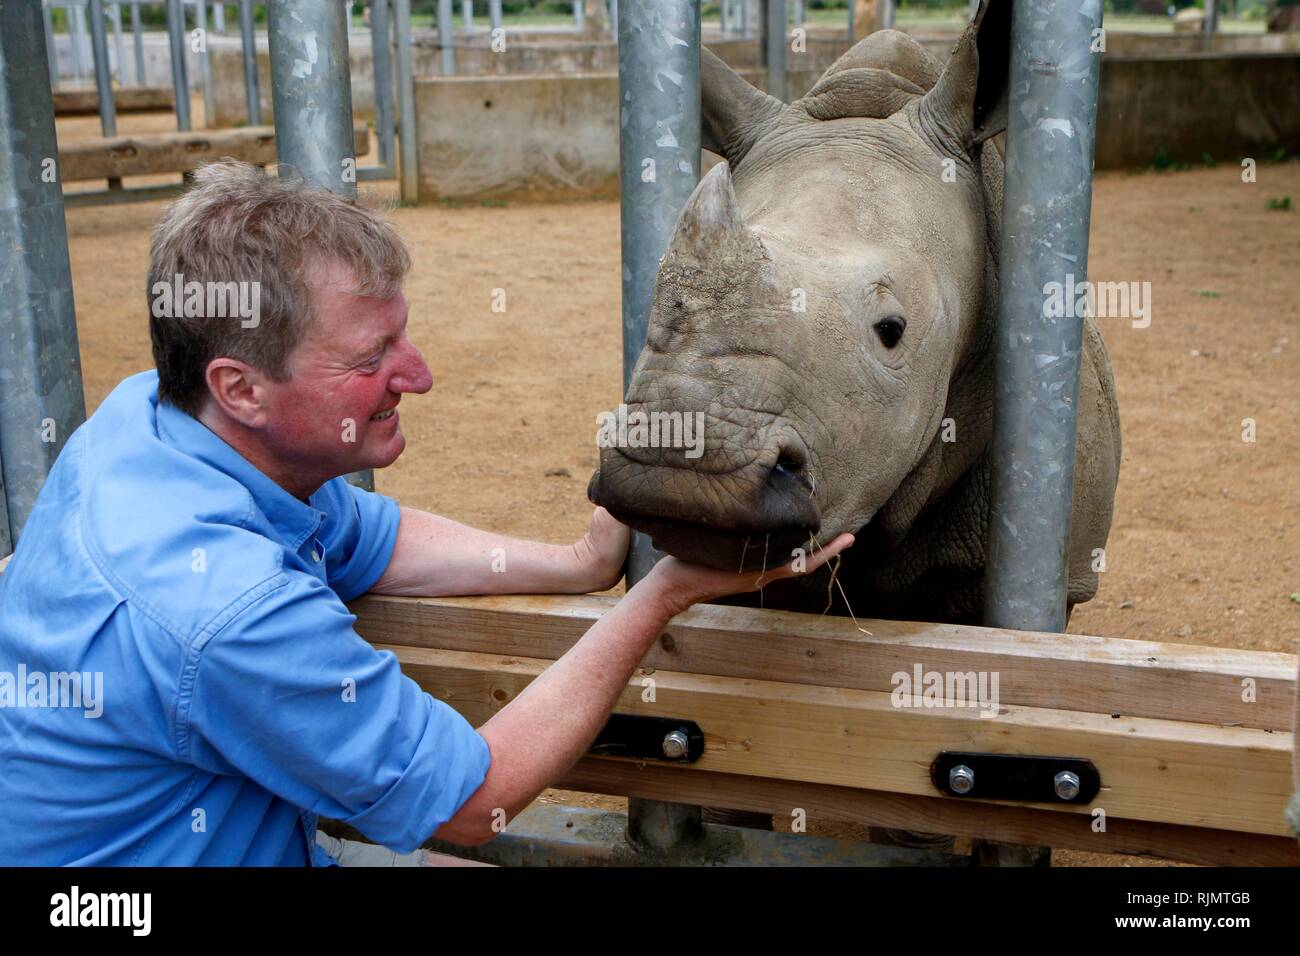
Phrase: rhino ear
[733,114]
[710,225]
[969,101]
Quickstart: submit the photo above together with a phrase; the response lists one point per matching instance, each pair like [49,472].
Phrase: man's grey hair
[238,225]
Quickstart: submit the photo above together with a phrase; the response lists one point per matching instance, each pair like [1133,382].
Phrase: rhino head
[821,306]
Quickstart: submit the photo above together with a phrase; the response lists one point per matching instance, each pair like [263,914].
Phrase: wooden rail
[1194,744]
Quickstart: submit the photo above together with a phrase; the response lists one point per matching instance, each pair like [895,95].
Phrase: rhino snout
[740,518]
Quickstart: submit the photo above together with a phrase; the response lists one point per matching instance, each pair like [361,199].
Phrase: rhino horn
[710,225]
[734,114]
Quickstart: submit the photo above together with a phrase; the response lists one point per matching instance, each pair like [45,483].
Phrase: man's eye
[372,363]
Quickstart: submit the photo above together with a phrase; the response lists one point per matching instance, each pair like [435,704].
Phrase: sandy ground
[1206,536]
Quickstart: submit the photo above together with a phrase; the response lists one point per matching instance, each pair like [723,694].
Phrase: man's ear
[969,101]
[235,389]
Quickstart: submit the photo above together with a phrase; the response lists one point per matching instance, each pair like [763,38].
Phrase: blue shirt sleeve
[289,695]
[359,534]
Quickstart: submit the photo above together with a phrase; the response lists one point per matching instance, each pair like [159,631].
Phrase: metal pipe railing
[1046,210]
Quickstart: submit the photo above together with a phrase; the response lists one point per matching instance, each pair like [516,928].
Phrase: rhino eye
[890,329]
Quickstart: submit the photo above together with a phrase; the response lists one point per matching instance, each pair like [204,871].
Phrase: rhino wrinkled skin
[827,419]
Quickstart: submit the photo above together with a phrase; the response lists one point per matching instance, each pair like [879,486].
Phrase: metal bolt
[961,779]
[676,745]
[1067,785]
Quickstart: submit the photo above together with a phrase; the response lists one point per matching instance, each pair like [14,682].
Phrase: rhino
[827,302]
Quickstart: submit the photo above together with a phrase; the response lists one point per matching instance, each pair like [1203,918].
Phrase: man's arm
[543,732]
[435,556]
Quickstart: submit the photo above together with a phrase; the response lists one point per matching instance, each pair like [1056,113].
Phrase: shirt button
[315,554]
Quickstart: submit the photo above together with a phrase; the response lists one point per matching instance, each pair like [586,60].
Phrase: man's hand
[682,585]
[599,554]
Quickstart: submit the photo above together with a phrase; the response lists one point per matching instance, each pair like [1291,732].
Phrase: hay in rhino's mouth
[724,550]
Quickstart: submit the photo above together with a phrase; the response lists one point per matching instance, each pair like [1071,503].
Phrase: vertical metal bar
[613,19]
[467,13]
[799,13]
[445,38]
[887,20]
[205,61]
[578,15]
[248,37]
[311,89]
[659,159]
[41,400]
[1048,190]
[180,75]
[103,82]
[724,16]
[407,170]
[77,37]
[312,92]
[776,18]
[381,51]
[744,18]
[853,21]
[219,17]
[51,50]
[494,14]
[1211,23]
[115,17]
[137,37]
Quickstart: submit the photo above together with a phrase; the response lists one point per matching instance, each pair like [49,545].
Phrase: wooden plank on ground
[173,152]
[1058,671]
[964,818]
[1230,778]
[84,100]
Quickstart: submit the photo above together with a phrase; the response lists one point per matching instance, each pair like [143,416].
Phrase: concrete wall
[556,136]
[1230,107]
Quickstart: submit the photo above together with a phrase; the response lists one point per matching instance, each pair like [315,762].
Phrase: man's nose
[412,373]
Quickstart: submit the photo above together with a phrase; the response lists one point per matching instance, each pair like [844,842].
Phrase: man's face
[337,413]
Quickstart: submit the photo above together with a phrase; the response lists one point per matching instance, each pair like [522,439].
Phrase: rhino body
[829,301]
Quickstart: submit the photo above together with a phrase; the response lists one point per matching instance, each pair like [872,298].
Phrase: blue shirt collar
[293,518]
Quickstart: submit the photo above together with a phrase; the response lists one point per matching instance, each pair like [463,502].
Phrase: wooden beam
[1057,671]
[964,818]
[79,101]
[173,152]
[1229,778]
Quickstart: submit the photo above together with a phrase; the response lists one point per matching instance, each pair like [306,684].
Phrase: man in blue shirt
[180,681]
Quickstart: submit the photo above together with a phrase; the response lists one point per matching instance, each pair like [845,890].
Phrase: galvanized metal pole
[445,25]
[776,17]
[248,39]
[103,81]
[494,14]
[51,51]
[180,74]
[659,156]
[205,61]
[578,15]
[724,16]
[1047,205]
[312,92]
[467,13]
[311,89]
[115,17]
[77,36]
[137,38]
[41,400]
[381,53]
[1211,22]
[219,17]
[887,20]
[406,132]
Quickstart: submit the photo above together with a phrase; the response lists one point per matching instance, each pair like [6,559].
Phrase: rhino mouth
[728,522]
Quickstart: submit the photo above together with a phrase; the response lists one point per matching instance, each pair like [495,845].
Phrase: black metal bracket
[634,735]
[1031,779]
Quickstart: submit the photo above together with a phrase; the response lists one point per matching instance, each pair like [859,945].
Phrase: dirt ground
[1206,536]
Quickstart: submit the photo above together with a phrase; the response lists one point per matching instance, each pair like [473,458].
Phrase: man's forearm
[435,556]
[544,731]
